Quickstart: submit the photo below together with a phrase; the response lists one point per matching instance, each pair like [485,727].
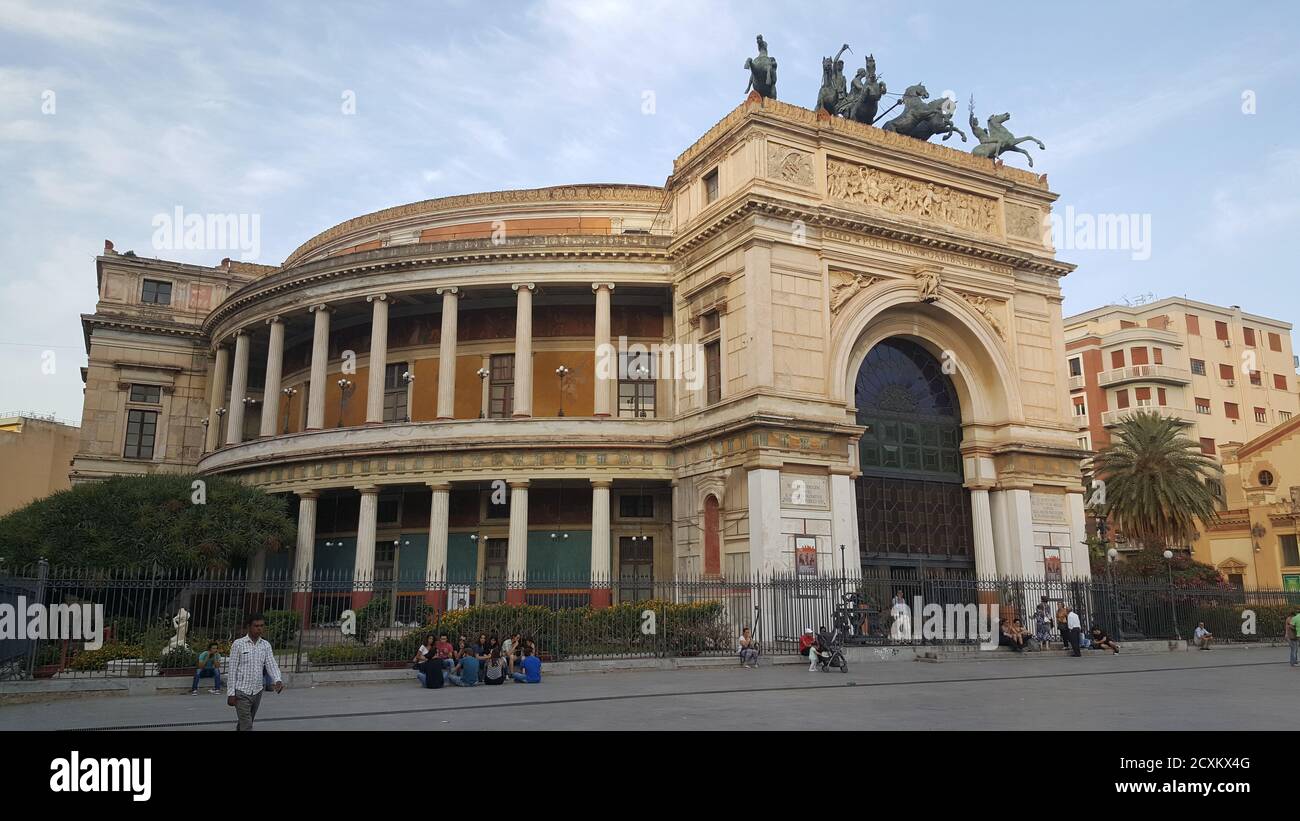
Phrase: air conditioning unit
[1230,383]
[1227,343]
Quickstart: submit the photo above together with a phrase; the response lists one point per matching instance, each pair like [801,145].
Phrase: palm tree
[1158,483]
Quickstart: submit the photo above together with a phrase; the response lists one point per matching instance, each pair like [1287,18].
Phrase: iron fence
[337,619]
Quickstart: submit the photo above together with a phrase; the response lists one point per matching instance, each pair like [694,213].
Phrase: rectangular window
[1274,342]
[1248,336]
[1158,356]
[710,186]
[636,506]
[1231,410]
[1290,550]
[1193,325]
[1158,322]
[1127,323]
[1143,396]
[1220,330]
[1076,367]
[1202,405]
[709,323]
[141,428]
[1225,372]
[156,292]
[1117,359]
[1261,415]
[1139,356]
[1256,378]
[146,394]
[1080,409]
[1207,446]
[1198,367]
[1284,416]
[395,409]
[501,386]
[1160,397]
[1279,381]
[636,387]
[1121,399]
[1085,442]
[713,372]
[494,570]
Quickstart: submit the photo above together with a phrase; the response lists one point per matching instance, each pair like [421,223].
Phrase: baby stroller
[829,652]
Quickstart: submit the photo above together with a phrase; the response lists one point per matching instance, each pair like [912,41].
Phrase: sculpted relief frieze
[1024,222]
[863,186]
[845,285]
[789,165]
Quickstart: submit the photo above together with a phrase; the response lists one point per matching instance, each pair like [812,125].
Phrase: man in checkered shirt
[251,661]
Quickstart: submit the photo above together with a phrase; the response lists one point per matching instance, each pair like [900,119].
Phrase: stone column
[844,528]
[304,555]
[604,387]
[758,313]
[765,542]
[1004,541]
[447,354]
[601,571]
[363,573]
[320,355]
[378,358]
[220,370]
[517,548]
[256,575]
[1020,528]
[238,391]
[271,387]
[435,569]
[1079,558]
[986,563]
[524,350]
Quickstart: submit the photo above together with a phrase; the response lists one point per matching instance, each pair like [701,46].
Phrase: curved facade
[635,382]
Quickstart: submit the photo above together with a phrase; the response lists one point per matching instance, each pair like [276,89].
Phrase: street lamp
[562,372]
[1112,556]
[408,378]
[1173,604]
[483,374]
[345,389]
[289,393]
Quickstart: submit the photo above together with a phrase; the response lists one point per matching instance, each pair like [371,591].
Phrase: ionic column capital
[439,486]
[308,494]
[451,289]
[378,298]
[601,483]
[321,307]
[365,490]
[517,483]
[531,286]
[235,335]
[272,320]
[596,286]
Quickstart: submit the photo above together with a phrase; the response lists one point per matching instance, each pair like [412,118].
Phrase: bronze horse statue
[762,72]
[922,118]
[833,90]
[997,139]
[861,104]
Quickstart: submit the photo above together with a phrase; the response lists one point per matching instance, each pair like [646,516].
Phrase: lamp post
[345,389]
[639,372]
[483,373]
[1112,555]
[1173,605]
[1257,532]
[562,372]
[408,378]
[288,401]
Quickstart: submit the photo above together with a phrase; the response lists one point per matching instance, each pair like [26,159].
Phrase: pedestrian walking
[1293,634]
[250,667]
[1073,626]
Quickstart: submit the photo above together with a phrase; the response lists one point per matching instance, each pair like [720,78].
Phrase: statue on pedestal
[762,72]
[181,622]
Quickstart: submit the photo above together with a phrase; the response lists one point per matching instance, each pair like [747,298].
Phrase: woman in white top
[748,649]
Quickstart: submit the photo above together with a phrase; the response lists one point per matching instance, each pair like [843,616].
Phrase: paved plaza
[1225,689]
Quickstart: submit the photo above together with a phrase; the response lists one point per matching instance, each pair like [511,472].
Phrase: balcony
[1183,416]
[1076,383]
[1145,373]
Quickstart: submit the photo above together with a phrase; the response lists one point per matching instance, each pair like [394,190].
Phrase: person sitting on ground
[1204,638]
[820,651]
[210,666]
[421,656]
[747,649]
[494,669]
[444,652]
[1006,637]
[532,668]
[466,672]
[1021,635]
[508,651]
[1101,641]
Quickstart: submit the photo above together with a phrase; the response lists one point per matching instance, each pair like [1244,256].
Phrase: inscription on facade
[1048,508]
[802,490]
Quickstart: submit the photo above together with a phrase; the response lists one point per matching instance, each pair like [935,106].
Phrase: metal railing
[336,619]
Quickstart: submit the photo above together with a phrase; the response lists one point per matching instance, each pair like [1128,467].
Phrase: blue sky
[236,107]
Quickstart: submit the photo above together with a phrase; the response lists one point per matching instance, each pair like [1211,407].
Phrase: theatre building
[819,347]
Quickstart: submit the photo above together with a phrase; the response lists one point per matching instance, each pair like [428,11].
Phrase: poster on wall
[1291,583]
[805,555]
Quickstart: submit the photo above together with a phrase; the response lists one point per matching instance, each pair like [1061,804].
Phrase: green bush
[282,628]
[178,657]
[372,616]
[98,659]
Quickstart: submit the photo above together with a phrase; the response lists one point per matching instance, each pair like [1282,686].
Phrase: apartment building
[1228,375]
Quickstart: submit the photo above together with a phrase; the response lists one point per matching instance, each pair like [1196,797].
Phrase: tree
[1157,482]
[1150,564]
[143,520]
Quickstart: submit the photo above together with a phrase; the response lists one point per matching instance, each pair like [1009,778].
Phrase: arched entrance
[913,511]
